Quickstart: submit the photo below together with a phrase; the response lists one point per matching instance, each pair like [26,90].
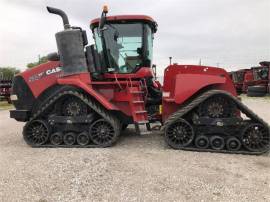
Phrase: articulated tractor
[86,95]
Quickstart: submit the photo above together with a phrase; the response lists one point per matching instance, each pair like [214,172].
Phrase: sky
[232,34]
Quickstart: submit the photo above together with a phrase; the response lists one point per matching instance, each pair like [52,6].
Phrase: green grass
[5,105]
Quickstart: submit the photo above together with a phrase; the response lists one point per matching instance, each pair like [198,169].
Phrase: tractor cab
[260,73]
[238,76]
[124,43]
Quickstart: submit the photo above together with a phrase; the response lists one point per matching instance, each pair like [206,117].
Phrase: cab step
[138,102]
[140,112]
[143,127]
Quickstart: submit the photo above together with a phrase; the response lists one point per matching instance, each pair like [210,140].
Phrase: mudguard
[44,76]
[184,82]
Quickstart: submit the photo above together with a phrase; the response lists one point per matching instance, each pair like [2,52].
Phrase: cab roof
[126,18]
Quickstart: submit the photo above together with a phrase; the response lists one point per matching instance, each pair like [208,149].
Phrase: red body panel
[42,77]
[248,80]
[115,91]
[112,93]
[141,73]
[183,81]
[183,91]
[83,81]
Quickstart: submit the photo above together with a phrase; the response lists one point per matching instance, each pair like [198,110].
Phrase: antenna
[170,58]
[200,62]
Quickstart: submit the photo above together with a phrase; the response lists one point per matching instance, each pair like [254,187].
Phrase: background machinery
[254,81]
[87,94]
[5,86]
[261,76]
[238,78]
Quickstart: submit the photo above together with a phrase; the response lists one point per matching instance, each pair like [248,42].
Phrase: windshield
[260,73]
[238,76]
[128,46]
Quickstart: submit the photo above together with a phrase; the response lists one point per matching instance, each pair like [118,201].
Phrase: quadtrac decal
[44,74]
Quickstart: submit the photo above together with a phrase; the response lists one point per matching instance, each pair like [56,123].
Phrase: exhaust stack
[70,45]
[62,14]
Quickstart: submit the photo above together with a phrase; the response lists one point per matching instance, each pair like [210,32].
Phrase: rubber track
[92,104]
[195,103]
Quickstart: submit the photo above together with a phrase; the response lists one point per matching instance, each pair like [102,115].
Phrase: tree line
[8,72]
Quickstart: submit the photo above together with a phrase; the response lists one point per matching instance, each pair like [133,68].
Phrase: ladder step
[140,112]
[137,102]
[142,122]
[142,130]
[136,92]
[145,132]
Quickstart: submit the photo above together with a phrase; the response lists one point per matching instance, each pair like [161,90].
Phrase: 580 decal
[44,74]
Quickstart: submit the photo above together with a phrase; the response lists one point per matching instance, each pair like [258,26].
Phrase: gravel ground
[136,169]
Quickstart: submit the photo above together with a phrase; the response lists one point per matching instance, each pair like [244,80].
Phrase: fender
[82,81]
[183,81]
[199,82]
[41,77]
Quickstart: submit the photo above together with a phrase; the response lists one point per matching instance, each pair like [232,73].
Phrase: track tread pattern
[91,103]
[198,100]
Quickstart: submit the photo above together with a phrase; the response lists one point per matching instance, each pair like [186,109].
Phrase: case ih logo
[45,73]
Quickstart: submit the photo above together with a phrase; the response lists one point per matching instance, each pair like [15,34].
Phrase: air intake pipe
[70,45]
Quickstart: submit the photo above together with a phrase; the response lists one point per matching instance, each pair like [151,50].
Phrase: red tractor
[248,80]
[5,86]
[238,78]
[260,84]
[86,95]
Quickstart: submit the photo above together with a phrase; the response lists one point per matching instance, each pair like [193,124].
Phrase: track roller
[70,138]
[36,132]
[56,138]
[179,134]
[83,138]
[202,142]
[217,142]
[233,144]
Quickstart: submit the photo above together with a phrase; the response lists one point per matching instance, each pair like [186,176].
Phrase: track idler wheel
[202,142]
[70,138]
[233,144]
[217,142]
[179,134]
[57,138]
[36,132]
[255,138]
[83,138]
[103,133]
